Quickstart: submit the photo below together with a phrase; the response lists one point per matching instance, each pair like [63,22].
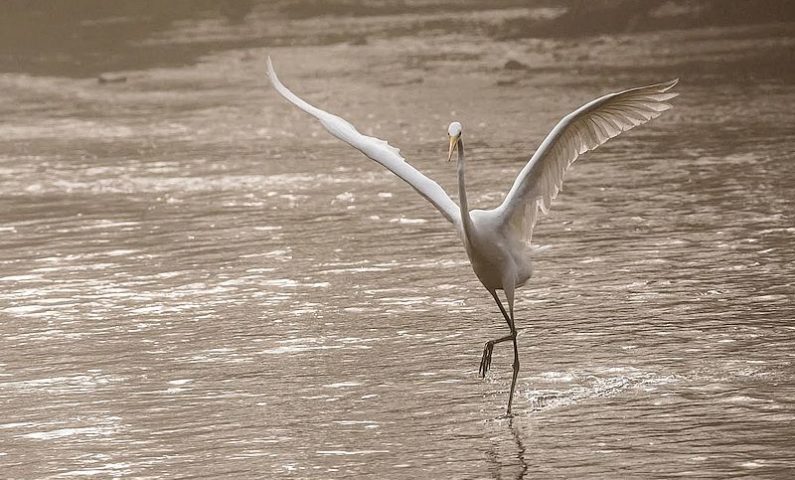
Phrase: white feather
[583,130]
[375,148]
[497,240]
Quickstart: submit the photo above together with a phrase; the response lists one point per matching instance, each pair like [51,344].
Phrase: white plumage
[582,130]
[497,241]
[375,148]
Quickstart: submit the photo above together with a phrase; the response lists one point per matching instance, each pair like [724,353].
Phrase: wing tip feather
[665,86]
[270,71]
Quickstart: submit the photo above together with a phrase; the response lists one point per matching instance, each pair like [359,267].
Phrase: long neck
[462,190]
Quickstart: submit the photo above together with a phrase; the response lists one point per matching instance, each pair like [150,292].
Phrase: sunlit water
[196,281]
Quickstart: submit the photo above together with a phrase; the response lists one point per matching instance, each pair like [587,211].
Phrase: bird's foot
[485,362]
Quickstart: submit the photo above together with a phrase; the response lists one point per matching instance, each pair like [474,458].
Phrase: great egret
[497,241]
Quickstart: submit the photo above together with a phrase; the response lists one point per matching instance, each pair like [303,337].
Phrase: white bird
[497,241]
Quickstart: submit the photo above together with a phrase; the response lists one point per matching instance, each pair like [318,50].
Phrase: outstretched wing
[578,132]
[375,148]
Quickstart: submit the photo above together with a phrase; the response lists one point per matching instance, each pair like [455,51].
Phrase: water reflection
[508,464]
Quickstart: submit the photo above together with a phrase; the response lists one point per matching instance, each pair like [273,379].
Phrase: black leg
[502,309]
[515,369]
[509,295]
[485,361]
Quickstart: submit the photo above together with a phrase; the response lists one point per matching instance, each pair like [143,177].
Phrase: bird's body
[493,255]
[497,241]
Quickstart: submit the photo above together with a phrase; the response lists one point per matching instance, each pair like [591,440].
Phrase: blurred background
[88,37]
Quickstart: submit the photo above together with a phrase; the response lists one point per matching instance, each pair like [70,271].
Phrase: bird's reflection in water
[519,449]
[514,464]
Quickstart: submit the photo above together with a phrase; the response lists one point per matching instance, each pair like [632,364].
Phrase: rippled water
[196,281]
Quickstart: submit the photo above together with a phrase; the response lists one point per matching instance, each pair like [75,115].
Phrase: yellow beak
[453,143]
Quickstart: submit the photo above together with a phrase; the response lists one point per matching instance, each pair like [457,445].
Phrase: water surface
[197,281]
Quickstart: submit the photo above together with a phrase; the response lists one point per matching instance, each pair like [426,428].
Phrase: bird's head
[454,133]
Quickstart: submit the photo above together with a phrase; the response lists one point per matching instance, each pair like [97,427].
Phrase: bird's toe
[485,361]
